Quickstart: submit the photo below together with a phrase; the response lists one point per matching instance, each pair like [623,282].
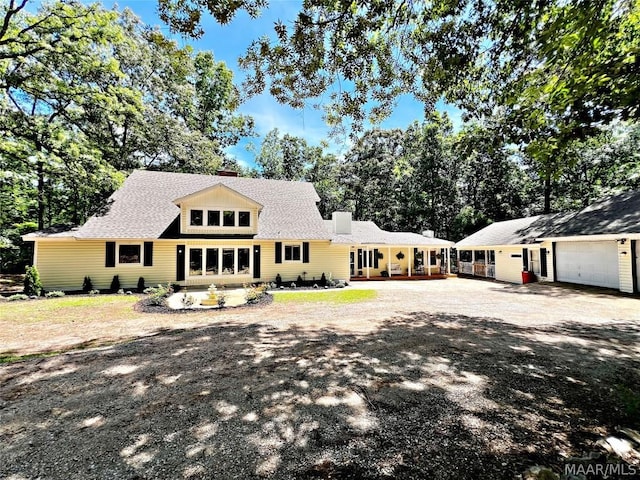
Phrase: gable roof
[615,214]
[144,206]
[366,232]
[217,186]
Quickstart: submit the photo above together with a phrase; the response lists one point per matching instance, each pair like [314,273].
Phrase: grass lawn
[69,309]
[333,296]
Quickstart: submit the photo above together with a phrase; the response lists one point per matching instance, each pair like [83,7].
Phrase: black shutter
[525,259]
[148,254]
[305,252]
[359,259]
[375,258]
[543,262]
[110,257]
[256,261]
[180,262]
[278,252]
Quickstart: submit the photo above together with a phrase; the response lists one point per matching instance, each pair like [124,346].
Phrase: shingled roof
[143,207]
[365,232]
[615,214]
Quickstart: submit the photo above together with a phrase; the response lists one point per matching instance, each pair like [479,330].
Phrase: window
[212,261]
[195,261]
[244,219]
[292,253]
[229,218]
[213,218]
[228,261]
[196,217]
[129,254]
[243,261]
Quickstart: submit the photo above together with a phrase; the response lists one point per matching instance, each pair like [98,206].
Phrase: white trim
[127,265]
[205,218]
[291,244]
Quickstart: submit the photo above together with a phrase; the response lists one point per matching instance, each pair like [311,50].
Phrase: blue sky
[228,42]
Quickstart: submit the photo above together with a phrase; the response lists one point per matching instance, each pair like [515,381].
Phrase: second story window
[196,217]
[213,219]
[244,219]
[229,218]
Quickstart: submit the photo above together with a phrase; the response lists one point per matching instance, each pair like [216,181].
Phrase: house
[599,246]
[202,229]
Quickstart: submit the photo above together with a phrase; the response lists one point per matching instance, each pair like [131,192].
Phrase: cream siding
[509,263]
[324,257]
[625,266]
[63,264]
[218,199]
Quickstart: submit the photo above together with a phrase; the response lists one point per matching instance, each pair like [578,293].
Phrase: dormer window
[229,218]
[213,218]
[196,218]
[219,218]
[244,219]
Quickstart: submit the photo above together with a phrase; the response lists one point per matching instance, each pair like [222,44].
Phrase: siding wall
[64,264]
[549,260]
[324,257]
[625,266]
[508,268]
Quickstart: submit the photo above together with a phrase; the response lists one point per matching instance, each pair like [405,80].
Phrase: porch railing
[491,271]
[466,268]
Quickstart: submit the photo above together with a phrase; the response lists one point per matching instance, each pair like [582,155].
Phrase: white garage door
[588,263]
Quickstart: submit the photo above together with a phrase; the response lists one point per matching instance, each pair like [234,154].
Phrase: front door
[352,262]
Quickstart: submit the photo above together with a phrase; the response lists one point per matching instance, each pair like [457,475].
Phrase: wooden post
[367,260]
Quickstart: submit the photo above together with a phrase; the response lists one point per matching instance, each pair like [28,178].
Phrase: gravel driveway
[440,379]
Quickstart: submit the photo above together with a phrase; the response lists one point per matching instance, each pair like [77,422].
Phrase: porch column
[473,263]
[389,261]
[367,260]
[409,256]
[448,253]
[486,263]
[429,261]
[458,258]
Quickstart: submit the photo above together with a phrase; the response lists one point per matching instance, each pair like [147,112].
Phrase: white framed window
[129,253]
[220,218]
[292,253]
[218,261]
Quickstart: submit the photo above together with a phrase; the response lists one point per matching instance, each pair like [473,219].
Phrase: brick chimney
[341,223]
[223,172]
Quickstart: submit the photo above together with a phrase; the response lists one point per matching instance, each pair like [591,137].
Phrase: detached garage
[597,246]
[588,263]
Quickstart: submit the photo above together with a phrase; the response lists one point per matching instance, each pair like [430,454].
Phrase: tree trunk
[547,193]
[41,194]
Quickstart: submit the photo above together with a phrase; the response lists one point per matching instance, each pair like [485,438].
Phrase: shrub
[299,280]
[94,292]
[187,301]
[140,285]
[18,296]
[158,295]
[115,284]
[253,293]
[32,283]
[87,285]
[323,280]
[278,280]
[55,294]
[176,287]
[121,291]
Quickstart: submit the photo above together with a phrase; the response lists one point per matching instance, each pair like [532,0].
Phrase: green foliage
[18,296]
[253,293]
[115,284]
[55,294]
[140,286]
[87,285]
[32,283]
[157,296]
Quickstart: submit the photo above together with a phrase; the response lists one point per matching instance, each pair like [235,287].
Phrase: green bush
[254,293]
[55,294]
[18,296]
[94,292]
[115,284]
[141,285]
[32,283]
[87,285]
[158,295]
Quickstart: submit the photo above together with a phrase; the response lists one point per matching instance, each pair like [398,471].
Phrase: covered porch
[398,262]
[477,262]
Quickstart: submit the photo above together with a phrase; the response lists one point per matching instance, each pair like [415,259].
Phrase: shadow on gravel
[425,396]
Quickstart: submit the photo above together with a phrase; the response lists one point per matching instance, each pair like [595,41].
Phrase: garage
[588,263]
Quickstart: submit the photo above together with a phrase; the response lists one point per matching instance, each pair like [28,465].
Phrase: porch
[406,262]
[477,263]
[380,278]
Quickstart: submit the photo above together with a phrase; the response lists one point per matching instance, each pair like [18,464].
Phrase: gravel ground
[441,379]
